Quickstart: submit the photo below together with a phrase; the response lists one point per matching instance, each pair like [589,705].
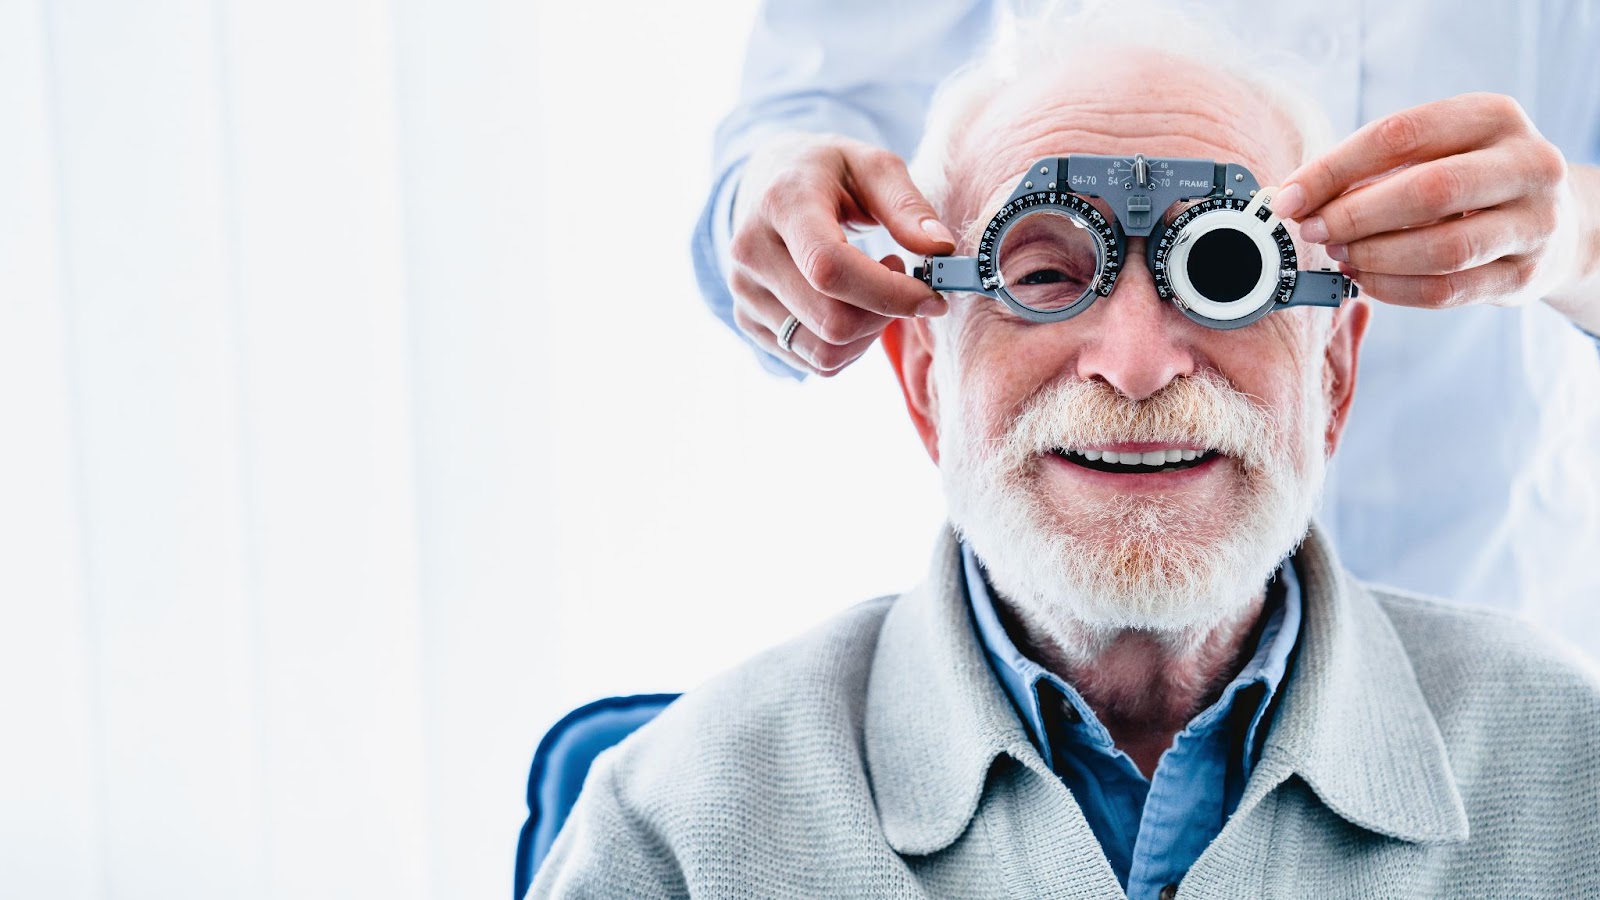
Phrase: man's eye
[1046,276]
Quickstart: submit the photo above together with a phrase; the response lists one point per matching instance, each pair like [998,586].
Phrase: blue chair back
[562,761]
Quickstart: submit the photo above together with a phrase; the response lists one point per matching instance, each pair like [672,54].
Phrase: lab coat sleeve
[865,70]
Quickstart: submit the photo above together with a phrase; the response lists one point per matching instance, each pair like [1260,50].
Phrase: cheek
[979,410]
[994,365]
[1271,359]
[1276,372]
[1302,427]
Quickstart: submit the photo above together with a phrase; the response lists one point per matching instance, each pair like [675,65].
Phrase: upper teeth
[1149,458]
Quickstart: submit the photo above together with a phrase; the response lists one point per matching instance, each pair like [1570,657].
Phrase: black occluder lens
[1224,265]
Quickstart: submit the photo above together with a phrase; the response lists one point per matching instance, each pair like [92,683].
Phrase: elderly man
[1131,670]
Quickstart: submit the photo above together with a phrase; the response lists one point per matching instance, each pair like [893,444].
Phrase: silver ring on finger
[786,334]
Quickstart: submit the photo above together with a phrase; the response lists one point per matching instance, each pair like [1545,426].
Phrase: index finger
[817,244]
[1418,134]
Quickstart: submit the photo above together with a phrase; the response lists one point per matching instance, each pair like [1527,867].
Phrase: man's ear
[1339,370]
[909,345]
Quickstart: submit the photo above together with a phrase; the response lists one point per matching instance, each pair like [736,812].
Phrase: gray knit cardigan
[1420,750]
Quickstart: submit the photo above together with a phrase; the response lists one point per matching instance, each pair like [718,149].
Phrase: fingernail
[1289,201]
[1341,252]
[935,229]
[935,306]
[1314,230]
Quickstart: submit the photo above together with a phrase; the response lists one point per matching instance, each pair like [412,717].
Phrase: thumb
[884,191]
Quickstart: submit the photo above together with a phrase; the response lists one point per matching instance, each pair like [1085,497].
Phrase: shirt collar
[1352,721]
[1020,675]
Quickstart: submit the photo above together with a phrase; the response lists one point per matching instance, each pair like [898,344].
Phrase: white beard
[1087,570]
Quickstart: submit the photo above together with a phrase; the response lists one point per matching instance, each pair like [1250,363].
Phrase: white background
[361,418]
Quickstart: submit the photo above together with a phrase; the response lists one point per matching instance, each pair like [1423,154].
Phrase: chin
[1159,564]
[1078,564]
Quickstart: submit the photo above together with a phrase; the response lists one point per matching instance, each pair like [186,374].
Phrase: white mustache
[1202,410]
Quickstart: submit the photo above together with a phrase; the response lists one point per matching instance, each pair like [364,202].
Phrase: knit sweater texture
[1420,750]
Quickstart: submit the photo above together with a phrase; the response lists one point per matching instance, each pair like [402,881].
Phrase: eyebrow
[1026,241]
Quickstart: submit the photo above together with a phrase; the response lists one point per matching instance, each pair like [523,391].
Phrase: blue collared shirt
[1152,830]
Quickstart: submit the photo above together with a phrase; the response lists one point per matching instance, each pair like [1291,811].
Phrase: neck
[1144,686]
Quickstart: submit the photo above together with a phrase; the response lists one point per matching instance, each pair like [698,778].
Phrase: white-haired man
[1116,682]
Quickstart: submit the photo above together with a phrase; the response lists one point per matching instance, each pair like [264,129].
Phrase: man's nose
[1134,340]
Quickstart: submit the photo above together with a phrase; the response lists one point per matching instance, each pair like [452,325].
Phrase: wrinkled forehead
[1159,106]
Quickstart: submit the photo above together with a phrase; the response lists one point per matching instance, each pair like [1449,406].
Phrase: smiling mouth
[1136,463]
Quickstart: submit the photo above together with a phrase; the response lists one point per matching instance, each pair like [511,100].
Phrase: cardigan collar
[1352,722]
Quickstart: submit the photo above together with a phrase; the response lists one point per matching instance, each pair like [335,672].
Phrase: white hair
[1052,33]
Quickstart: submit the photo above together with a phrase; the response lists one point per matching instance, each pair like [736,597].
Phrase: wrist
[719,218]
[1578,295]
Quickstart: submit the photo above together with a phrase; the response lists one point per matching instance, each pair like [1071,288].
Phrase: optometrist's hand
[795,198]
[1454,202]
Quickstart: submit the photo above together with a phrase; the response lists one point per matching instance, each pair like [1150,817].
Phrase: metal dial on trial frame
[1288,260]
[1140,172]
[1106,236]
